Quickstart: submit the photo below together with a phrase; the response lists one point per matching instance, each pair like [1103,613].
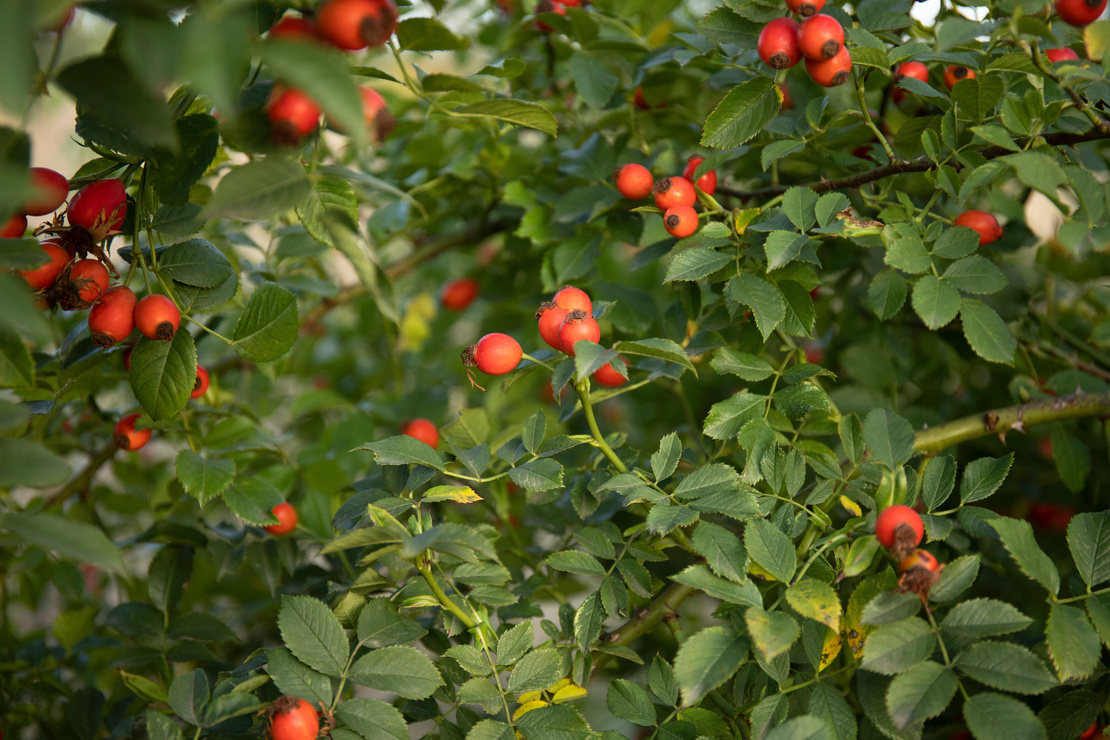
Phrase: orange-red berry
[356,24]
[1063,54]
[680,221]
[674,191]
[634,181]
[457,294]
[422,429]
[1079,13]
[14,227]
[578,326]
[201,385]
[707,183]
[287,522]
[820,36]
[805,7]
[44,275]
[608,376]
[293,115]
[982,222]
[99,205]
[954,73]
[549,318]
[49,190]
[778,43]
[831,72]
[893,517]
[112,317]
[157,317]
[294,27]
[573,299]
[919,559]
[494,354]
[126,437]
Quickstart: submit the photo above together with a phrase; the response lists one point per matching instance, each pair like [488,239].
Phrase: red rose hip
[674,191]
[356,24]
[578,326]
[44,276]
[201,386]
[1063,54]
[112,317]
[293,115]
[100,205]
[899,527]
[549,318]
[573,299]
[157,317]
[982,222]
[458,294]
[49,190]
[1079,13]
[707,183]
[494,354]
[831,72]
[292,718]
[126,437]
[422,429]
[680,221]
[954,73]
[634,181]
[607,376]
[778,43]
[805,7]
[287,522]
[14,227]
[820,37]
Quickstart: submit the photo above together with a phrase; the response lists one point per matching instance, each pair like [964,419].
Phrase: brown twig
[1062,138]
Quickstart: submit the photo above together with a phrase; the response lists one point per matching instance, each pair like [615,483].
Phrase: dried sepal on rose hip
[292,718]
[899,529]
[127,437]
[920,572]
[493,354]
[81,284]
[578,326]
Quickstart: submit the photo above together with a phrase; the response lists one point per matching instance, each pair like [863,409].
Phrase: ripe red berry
[50,189]
[112,317]
[607,376]
[549,317]
[578,326]
[201,386]
[293,115]
[494,354]
[375,112]
[634,181]
[573,299]
[1090,732]
[981,221]
[356,24]
[916,70]
[954,73]
[680,221]
[86,281]
[99,205]
[14,227]
[919,559]
[805,7]
[1079,13]
[674,191]
[287,522]
[459,293]
[44,276]
[707,183]
[778,43]
[820,36]
[639,100]
[1063,54]
[157,317]
[891,519]
[294,27]
[831,72]
[127,437]
[293,719]
[422,429]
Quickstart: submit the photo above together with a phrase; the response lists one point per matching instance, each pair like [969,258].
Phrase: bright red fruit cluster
[350,25]
[899,529]
[675,196]
[819,39]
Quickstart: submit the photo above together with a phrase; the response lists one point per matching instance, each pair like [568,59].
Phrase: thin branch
[1000,421]
[1063,138]
[646,619]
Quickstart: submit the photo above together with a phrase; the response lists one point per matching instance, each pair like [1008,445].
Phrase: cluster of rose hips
[899,529]
[675,196]
[568,318]
[350,25]
[819,38]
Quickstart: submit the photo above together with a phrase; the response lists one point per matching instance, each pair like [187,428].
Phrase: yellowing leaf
[528,696]
[830,648]
[568,693]
[416,322]
[816,600]
[851,506]
[526,708]
[757,570]
[461,494]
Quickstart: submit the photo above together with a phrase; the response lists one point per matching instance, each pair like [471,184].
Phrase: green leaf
[957,242]
[560,722]
[380,625]
[706,660]
[76,541]
[1004,665]
[661,680]
[727,417]
[267,328]
[744,111]
[539,670]
[630,702]
[889,607]
[196,263]
[664,518]
[1073,458]
[956,578]
[889,437]
[975,274]
[428,34]
[199,136]
[897,647]
[660,349]
[829,206]
[402,450]
[296,679]
[700,577]
[983,477]
[921,693]
[979,618]
[189,695]
[977,98]
[772,632]
[1089,541]
[772,549]
[372,718]
[313,633]
[996,717]
[827,704]
[782,247]
[905,250]
[124,105]
[489,729]
[403,671]
[722,551]
[665,461]
[514,643]
[696,263]
[17,54]
[258,190]
[595,82]
[817,601]
[516,112]
[936,301]
[764,299]
[800,728]
[1072,642]
[588,620]
[330,207]
[745,366]
[538,475]
[573,561]
[938,482]
[776,150]
[163,374]
[799,204]
[203,479]
[24,462]
[1017,536]
[886,294]
[986,332]
[996,135]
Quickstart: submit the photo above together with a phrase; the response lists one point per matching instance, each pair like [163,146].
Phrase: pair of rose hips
[676,196]
[118,312]
[48,192]
[819,38]
[350,25]
[127,437]
[899,529]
